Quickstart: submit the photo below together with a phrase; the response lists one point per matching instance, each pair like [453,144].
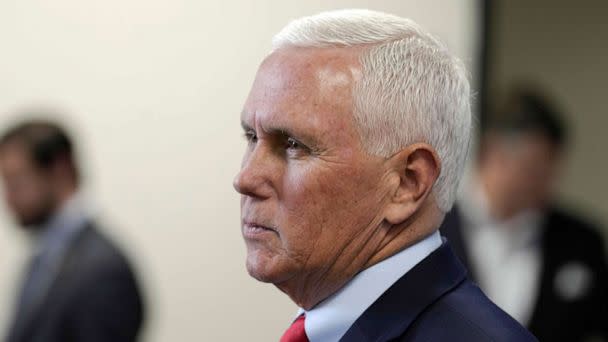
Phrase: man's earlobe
[418,168]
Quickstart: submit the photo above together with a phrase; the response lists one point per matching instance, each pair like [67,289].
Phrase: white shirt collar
[330,319]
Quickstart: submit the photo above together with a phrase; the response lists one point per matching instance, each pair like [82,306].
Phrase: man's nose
[254,178]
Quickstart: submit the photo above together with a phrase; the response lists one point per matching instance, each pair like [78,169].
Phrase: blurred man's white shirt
[505,256]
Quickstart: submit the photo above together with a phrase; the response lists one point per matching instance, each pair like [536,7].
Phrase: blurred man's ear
[62,169]
[415,169]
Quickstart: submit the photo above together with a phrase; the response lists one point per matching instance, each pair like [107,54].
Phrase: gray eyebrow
[283,131]
[245,126]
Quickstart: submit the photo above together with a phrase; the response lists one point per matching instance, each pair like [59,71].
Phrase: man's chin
[31,224]
[260,276]
[264,268]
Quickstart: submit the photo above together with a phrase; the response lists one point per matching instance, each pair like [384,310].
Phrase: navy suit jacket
[436,302]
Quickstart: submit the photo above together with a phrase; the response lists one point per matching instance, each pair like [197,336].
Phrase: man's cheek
[305,188]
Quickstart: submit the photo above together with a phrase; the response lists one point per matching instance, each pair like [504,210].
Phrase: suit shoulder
[564,230]
[97,254]
[466,314]
[563,222]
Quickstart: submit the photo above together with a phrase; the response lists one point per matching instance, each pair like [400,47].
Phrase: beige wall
[154,89]
[562,45]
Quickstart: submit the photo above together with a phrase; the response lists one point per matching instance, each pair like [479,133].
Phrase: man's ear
[417,167]
[61,168]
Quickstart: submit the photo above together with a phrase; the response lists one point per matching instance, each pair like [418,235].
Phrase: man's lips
[254,229]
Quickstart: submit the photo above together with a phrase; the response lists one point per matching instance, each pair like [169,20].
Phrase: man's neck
[387,241]
[400,237]
[61,204]
[331,318]
[64,197]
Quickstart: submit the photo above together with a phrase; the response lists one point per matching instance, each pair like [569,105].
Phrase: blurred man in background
[544,266]
[78,286]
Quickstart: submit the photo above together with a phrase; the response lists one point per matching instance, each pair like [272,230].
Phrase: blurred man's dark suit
[93,297]
[564,241]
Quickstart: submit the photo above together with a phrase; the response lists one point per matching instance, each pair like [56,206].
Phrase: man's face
[312,197]
[26,188]
[527,166]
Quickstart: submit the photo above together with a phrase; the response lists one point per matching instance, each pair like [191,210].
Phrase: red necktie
[296,332]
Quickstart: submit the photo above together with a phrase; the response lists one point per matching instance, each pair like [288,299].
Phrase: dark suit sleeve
[107,309]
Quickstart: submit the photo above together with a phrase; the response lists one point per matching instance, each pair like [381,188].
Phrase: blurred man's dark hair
[46,143]
[528,111]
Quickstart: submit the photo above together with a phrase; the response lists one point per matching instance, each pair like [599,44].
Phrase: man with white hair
[358,127]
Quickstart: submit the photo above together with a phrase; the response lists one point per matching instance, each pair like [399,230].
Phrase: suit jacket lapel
[392,314]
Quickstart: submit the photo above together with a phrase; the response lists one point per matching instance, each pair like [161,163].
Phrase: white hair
[411,90]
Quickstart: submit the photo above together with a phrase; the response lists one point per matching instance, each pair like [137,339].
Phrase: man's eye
[294,144]
[251,137]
